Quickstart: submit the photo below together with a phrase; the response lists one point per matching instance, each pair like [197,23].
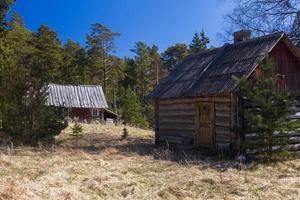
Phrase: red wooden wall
[287,65]
[80,113]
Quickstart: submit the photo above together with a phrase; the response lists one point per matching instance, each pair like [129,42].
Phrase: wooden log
[222,107]
[175,140]
[181,133]
[221,98]
[223,146]
[166,107]
[223,138]
[177,122]
[178,119]
[188,112]
[222,113]
[222,130]
[222,121]
[177,127]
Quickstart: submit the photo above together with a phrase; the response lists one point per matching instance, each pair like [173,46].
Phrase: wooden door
[205,124]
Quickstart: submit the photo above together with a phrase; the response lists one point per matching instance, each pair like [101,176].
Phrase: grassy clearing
[99,165]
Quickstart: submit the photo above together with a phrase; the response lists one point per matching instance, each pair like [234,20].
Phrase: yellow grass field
[99,165]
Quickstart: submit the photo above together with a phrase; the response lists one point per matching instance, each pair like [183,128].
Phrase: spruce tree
[48,57]
[199,43]
[270,103]
[74,67]
[131,109]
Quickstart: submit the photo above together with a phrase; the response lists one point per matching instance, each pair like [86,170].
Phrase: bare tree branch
[263,16]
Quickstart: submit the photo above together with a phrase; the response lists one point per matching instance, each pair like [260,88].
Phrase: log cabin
[86,103]
[197,104]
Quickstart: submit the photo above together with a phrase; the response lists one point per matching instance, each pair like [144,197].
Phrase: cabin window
[95,113]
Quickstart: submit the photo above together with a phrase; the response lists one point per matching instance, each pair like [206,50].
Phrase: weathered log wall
[291,140]
[177,121]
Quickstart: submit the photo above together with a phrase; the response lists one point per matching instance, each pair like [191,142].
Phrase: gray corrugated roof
[76,96]
[211,72]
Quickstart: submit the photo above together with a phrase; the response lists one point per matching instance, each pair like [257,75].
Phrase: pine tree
[270,105]
[74,68]
[199,43]
[48,56]
[113,80]
[143,69]
[25,118]
[101,46]
[157,71]
[174,55]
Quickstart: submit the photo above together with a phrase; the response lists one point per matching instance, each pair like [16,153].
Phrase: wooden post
[156,122]
[102,115]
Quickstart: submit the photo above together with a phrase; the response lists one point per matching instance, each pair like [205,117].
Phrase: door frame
[197,133]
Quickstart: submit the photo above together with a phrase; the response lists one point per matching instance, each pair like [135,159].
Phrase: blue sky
[159,22]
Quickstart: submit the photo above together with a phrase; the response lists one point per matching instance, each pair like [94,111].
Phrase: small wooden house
[85,102]
[197,104]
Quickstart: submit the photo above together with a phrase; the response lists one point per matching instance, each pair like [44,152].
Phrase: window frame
[97,113]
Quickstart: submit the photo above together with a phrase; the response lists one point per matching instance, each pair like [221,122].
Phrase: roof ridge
[75,85]
[281,33]
[260,38]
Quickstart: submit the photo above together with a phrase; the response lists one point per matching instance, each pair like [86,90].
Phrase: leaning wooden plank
[254,142]
[291,147]
[276,134]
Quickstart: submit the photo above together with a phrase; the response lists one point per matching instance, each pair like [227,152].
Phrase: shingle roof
[211,72]
[81,96]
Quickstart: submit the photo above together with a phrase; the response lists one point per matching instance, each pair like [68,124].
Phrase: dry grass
[99,165]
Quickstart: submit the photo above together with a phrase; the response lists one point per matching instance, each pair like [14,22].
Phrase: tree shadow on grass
[144,146]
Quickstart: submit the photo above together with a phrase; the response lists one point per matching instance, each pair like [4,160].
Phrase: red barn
[197,103]
[84,102]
